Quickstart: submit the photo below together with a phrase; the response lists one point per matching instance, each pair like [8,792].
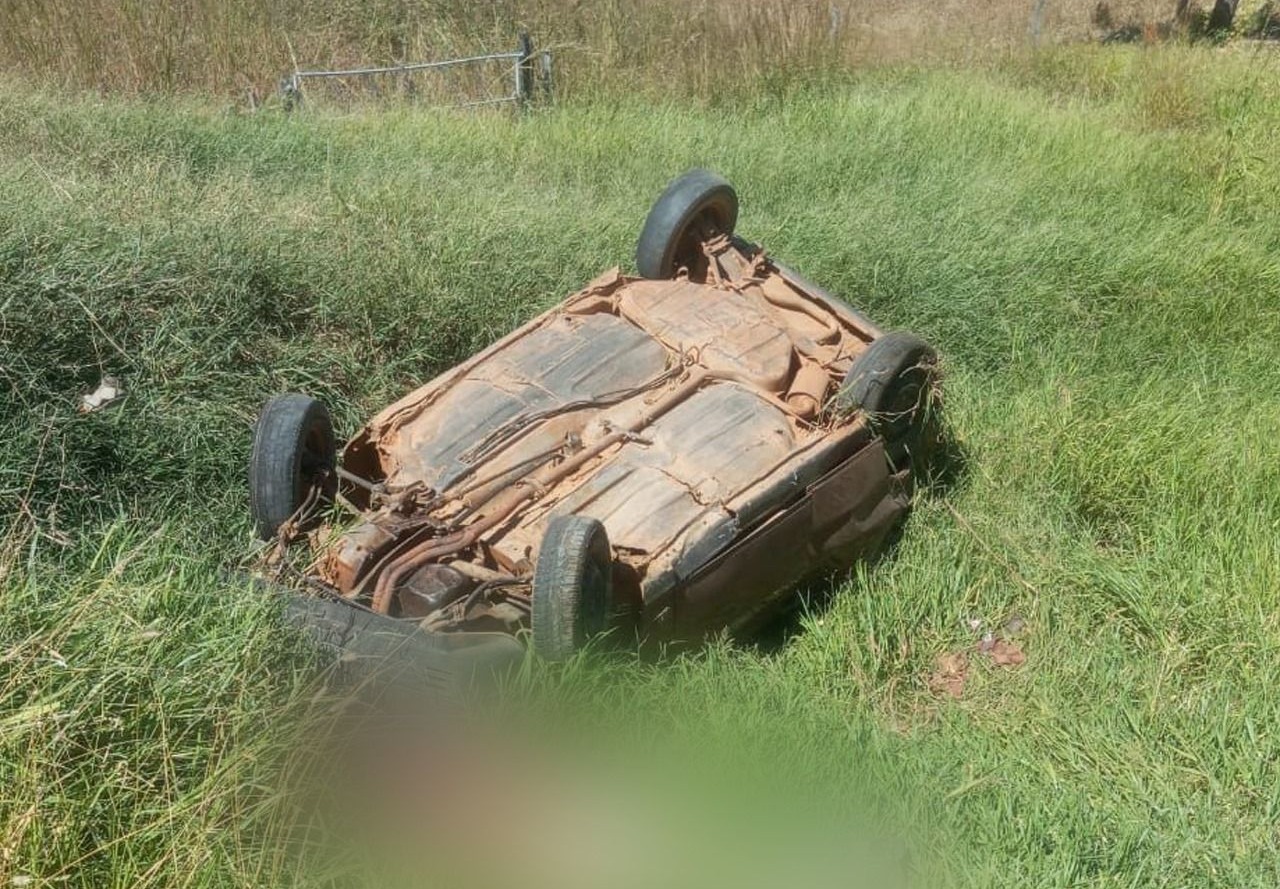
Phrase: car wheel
[694,208]
[892,382]
[293,459]
[572,586]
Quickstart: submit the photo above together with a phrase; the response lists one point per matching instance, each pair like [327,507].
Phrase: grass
[1089,237]
[242,47]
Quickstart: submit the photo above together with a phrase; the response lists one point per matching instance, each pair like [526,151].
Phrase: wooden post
[1036,21]
[524,69]
[1224,13]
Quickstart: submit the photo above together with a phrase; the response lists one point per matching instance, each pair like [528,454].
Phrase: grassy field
[1091,238]
[242,47]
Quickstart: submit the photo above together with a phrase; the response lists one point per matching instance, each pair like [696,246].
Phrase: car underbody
[697,418]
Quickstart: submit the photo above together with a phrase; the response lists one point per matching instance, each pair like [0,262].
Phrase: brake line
[507,502]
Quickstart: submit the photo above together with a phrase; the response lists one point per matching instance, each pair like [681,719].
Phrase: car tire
[892,382]
[293,453]
[572,586]
[694,207]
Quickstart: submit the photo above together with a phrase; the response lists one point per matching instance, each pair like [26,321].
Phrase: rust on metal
[666,409]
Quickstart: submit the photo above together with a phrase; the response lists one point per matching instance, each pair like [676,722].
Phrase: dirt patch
[950,672]
[951,669]
[1004,653]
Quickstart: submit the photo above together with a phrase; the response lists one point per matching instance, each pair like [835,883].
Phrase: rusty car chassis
[661,456]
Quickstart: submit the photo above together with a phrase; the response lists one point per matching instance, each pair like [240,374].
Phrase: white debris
[109,391]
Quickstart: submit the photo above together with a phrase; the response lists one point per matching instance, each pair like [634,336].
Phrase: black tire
[572,586]
[694,208]
[293,452]
[893,383]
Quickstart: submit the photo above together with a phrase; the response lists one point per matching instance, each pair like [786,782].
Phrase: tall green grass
[1090,239]
[240,47]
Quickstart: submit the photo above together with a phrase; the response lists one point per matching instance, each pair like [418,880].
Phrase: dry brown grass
[698,48]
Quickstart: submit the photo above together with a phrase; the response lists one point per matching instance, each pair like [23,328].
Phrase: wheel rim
[903,404]
[707,223]
[594,600]
[313,463]
[904,415]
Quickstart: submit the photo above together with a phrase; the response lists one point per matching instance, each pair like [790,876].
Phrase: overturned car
[657,458]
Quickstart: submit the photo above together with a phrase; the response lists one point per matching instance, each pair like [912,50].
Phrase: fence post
[1036,22]
[544,74]
[291,92]
[524,68]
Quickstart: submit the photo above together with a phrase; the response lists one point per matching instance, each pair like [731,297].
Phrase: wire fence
[518,77]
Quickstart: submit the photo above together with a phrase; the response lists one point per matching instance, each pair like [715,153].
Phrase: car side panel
[841,518]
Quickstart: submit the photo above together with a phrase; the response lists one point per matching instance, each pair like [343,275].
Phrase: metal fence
[529,75]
